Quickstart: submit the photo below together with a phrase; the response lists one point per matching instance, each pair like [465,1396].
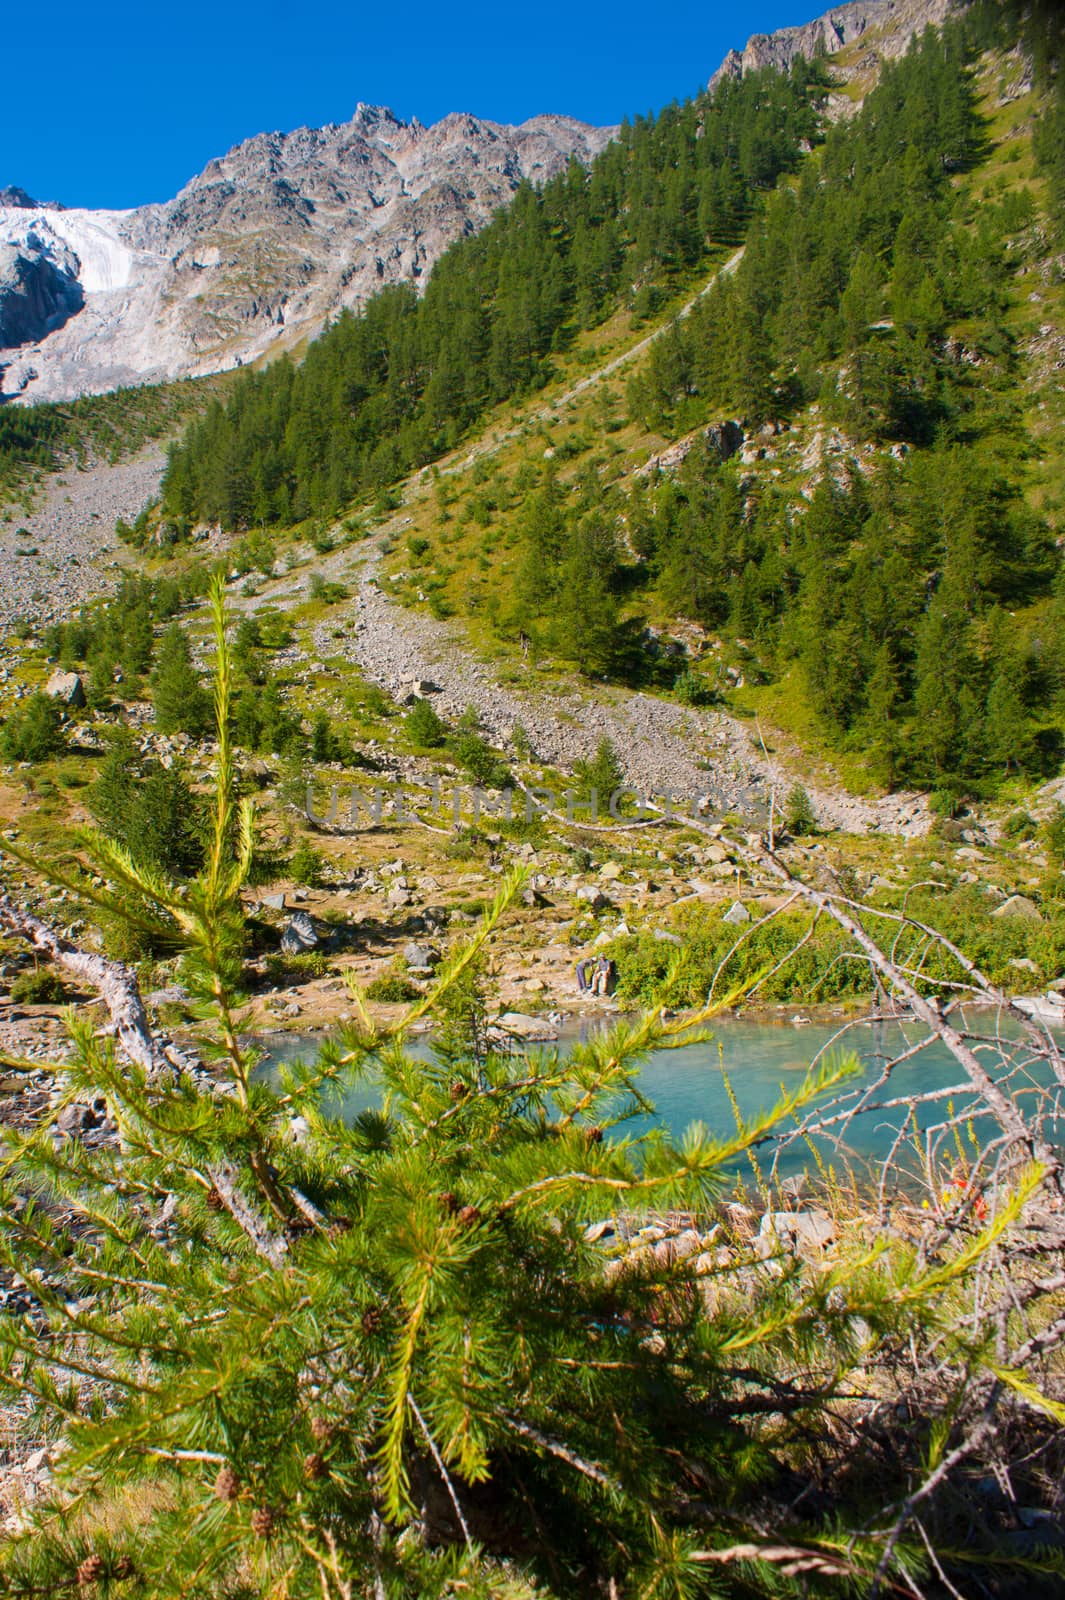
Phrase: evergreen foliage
[148,810]
[182,705]
[401,382]
[33,731]
[386,1358]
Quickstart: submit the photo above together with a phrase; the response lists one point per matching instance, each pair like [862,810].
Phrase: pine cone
[123,1568]
[215,1201]
[449,1201]
[314,1467]
[227,1484]
[262,1521]
[372,1318]
[594,1135]
[322,1430]
[459,1090]
[91,1570]
[469,1216]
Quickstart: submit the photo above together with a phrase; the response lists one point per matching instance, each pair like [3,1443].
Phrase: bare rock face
[39,291]
[259,250]
[885,28]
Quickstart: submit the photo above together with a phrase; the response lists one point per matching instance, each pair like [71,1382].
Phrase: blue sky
[118,104]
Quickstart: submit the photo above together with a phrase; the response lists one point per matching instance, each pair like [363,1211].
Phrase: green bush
[307,865]
[476,757]
[423,727]
[149,810]
[800,818]
[392,988]
[302,967]
[182,704]
[33,732]
[603,773]
[325,590]
[39,988]
[692,689]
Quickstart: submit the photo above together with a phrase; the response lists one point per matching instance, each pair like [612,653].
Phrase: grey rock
[300,934]
[1018,905]
[67,688]
[737,913]
[39,288]
[894,21]
[419,957]
[520,1026]
[803,1229]
[260,249]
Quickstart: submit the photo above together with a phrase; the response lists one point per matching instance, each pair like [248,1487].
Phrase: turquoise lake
[762,1059]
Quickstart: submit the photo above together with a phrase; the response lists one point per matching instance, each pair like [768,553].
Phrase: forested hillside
[398,384]
[918,599]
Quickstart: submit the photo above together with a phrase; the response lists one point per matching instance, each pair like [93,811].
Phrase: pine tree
[182,705]
[373,1357]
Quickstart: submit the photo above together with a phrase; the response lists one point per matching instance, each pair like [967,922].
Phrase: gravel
[72,529]
[662,746]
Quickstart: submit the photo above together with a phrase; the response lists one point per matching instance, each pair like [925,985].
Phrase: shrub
[392,988]
[692,689]
[603,773]
[477,758]
[325,590]
[326,743]
[182,705]
[307,865]
[33,732]
[423,727]
[149,810]
[303,967]
[39,988]
[1054,834]
[799,815]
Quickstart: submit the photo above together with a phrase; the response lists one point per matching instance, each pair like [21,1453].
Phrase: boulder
[592,896]
[1018,905]
[67,688]
[300,934]
[801,1229]
[419,957]
[737,913]
[664,937]
[520,1026]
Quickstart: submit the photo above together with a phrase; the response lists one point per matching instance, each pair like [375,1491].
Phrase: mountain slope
[257,251]
[881,30]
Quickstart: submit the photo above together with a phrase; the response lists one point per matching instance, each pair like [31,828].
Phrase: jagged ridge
[261,247]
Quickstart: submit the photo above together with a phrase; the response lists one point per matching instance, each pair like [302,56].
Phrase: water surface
[763,1060]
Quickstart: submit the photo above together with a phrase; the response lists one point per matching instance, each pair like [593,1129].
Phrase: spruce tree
[182,705]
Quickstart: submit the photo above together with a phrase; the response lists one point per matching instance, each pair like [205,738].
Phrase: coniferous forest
[441,1156]
[919,606]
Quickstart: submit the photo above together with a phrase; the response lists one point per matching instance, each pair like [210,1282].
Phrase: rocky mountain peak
[16,198]
[258,250]
[884,26]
